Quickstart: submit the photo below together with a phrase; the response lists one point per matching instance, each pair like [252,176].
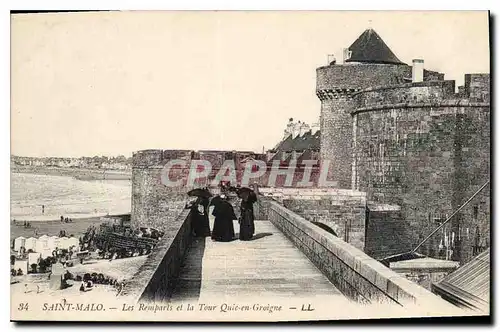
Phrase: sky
[85,84]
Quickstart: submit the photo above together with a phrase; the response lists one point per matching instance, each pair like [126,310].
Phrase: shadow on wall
[187,286]
[324,227]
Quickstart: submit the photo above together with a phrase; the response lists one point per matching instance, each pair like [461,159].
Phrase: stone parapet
[354,273]
[156,278]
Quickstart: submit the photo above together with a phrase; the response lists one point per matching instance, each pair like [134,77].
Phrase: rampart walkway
[269,266]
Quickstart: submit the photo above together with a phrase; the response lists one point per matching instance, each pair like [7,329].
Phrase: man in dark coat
[223,225]
[247,225]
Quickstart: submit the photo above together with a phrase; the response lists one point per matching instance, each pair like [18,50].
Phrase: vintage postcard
[249,165]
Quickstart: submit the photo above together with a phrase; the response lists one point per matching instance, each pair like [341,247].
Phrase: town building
[300,142]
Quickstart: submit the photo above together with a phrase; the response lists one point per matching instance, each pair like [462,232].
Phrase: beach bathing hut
[55,242]
[19,242]
[50,242]
[42,243]
[73,241]
[33,258]
[46,253]
[64,243]
[30,243]
[22,265]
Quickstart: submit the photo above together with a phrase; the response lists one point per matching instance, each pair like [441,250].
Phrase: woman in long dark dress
[247,225]
[199,218]
[205,223]
[223,225]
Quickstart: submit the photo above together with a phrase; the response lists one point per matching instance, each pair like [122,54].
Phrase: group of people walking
[223,229]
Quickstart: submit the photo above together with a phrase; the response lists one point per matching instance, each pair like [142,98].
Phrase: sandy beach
[85,196]
[77,173]
[119,269]
[52,227]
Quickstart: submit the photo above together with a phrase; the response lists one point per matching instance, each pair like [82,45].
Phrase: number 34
[23,306]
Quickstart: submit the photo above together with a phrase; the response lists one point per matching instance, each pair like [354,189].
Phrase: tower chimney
[315,127]
[296,129]
[304,128]
[331,59]
[417,70]
[289,129]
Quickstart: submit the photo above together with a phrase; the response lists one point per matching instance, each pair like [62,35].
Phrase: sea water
[66,196]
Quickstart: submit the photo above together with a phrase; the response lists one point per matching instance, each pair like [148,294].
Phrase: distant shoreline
[52,227]
[85,174]
[57,219]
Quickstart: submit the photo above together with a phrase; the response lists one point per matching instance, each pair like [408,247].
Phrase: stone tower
[368,62]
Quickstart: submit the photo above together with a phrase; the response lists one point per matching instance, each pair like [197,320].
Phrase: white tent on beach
[19,242]
[30,243]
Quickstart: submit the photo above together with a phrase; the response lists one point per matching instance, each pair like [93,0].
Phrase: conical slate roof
[370,48]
